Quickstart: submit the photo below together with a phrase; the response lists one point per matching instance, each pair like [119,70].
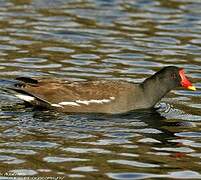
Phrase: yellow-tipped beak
[191,88]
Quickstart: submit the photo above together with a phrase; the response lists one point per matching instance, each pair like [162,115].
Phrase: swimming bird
[100,96]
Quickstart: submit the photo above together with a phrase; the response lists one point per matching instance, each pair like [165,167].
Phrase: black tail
[15,87]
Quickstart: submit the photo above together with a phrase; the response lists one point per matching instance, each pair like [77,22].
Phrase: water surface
[79,40]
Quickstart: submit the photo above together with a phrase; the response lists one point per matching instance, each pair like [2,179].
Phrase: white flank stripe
[83,102]
[57,105]
[69,103]
[101,101]
[86,102]
[98,101]
[24,97]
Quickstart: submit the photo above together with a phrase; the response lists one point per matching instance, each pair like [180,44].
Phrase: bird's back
[101,96]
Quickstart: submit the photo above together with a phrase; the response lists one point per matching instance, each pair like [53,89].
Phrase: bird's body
[86,96]
[98,96]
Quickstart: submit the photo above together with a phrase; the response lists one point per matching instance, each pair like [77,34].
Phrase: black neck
[156,87]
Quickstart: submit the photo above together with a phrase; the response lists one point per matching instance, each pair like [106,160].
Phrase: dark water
[114,39]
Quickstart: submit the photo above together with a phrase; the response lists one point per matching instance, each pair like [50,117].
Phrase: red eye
[173,76]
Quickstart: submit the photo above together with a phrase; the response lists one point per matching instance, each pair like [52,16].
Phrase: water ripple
[112,39]
[62,159]
[133,163]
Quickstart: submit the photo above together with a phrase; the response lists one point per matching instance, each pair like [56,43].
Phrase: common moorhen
[100,96]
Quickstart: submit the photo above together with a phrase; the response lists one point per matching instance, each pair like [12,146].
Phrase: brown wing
[86,96]
[60,91]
